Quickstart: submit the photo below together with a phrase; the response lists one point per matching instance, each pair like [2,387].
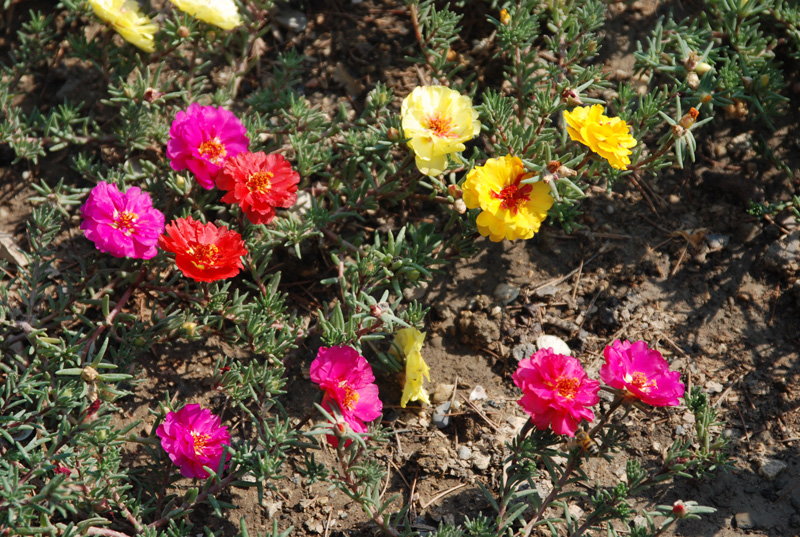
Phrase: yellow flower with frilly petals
[221,13]
[124,16]
[510,210]
[409,341]
[609,137]
[438,121]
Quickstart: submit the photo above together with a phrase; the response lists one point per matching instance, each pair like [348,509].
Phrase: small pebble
[440,417]
[505,293]
[464,453]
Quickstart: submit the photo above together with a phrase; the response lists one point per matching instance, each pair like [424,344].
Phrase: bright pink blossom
[556,391]
[193,438]
[642,372]
[122,224]
[202,139]
[347,380]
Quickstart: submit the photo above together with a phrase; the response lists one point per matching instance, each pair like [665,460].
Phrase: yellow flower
[505,18]
[221,13]
[609,137]
[510,210]
[438,121]
[125,18]
[409,341]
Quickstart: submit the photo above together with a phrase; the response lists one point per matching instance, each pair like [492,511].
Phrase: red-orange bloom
[203,252]
[259,183]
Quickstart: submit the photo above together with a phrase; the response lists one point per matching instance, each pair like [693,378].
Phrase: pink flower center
[513,196]
[640,381]
[567,387]
[201,442]
[213,150]
[260,182]
[124,221]
[440,125]
[205,255]
[350,396]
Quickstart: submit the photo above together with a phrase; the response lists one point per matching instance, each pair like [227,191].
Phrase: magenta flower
[202,139]
[347,380]
[556,391]
[122,224]
[642,372]
[193,438]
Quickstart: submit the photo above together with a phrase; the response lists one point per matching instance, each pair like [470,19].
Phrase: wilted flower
[510,210]
[409,342]
[124,16]
[347,380]
[642,372]
[193,438]
[609,137]
[259,183]
[122,224]
[438,121]
[557,393]
[203,252]
[221,13]
[202,139]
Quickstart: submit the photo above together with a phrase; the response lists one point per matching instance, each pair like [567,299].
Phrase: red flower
[203,252]
[259,183]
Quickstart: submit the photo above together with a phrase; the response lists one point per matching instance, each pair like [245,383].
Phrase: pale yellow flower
[124,16]
[409,341]
[221,13]
[510,210]
[438,121]
[609,137]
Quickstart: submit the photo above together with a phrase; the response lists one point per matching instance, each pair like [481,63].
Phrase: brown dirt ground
[721,315]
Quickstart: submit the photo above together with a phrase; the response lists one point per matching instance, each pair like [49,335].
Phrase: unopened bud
[705,98]
[375,310]
[505,18]
[94,407]
[151,94]
[460,206]
[452,55]
[139,342]
[454,191]
[101,435]
[702,68]
[692,80]
[764,80]
[689,118]
[189,329]
[62,470]
[679,509]
[183,31]
[89,374]
[393,135]
[211,35]
[571,98]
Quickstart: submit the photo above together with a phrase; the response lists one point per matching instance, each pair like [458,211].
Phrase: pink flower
[122,224]
[193,438]
[642,372]
[202,139]
[347,380]
[556,391]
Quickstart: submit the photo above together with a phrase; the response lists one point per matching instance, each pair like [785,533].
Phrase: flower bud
[211,35]
[393,135]
[101,435]
[139,342]
[189,329]
[62,470]
[460,206]
[705,98]
[702,68]
[89,374]
[689,118]
[505,18]
[452,55]
[692,80]
[570,97]
[764,80]
[375,310]
[94,407]
[454,191]
[183,31]
[679,509]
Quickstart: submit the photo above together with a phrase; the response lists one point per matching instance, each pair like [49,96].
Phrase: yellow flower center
[213,150]
[567,387]
[201,442]
[205,255]
[639,380]
[125,221]
[260,182]
[440,125]
[350,396]
[513,196]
